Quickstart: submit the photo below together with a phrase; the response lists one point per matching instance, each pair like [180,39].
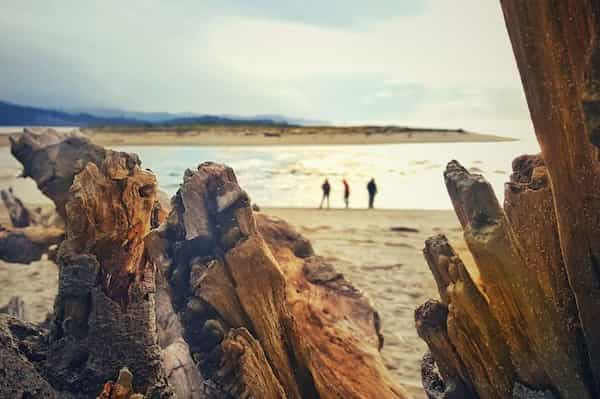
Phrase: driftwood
[52,159]
[522,321]
[23,347]
[34,233]
[262,315]
[557,50]
[104,314]
[499,328]
[217,301]
[19,215]
[26,245]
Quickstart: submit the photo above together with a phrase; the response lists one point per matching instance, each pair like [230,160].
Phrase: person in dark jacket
[372,189]
[346,193]
[326,187]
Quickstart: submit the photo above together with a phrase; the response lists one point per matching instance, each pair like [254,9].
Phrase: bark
[473,333]
[261,314]
[529,207]
[529,321]
[104,314]
[557,51]
[110,208]
[452,381]
[23,348]
[514,331]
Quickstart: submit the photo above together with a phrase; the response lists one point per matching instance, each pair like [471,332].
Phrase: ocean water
[408,176]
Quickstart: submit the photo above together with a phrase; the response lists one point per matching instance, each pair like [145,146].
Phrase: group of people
[326,187]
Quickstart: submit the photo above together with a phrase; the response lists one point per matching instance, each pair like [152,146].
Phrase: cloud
[344,61]
[345,14]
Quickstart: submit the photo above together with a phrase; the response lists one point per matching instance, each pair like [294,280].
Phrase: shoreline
[276,136]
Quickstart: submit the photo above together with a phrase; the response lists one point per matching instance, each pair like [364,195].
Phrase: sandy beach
[275,135]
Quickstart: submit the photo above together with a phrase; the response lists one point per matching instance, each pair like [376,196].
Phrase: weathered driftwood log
[557,48]
[19,215]
[472,335]
[52,159]
[104,315]
[514,332]
[454,382]
[33,232]
[25,245]
[528,318]
[65,154]
[263,317]
[105,309]
[529,207]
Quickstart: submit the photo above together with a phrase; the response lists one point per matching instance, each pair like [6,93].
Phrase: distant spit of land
[275,135]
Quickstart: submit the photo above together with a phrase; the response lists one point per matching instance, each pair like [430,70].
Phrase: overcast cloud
[440,63]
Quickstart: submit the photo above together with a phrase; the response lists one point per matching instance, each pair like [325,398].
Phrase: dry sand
[274,135]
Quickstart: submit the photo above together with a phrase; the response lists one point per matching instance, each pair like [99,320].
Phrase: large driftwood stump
[499,328]
[262,315]
[105,312]
[245,299]
[529,304]
[105,309]
[557,48]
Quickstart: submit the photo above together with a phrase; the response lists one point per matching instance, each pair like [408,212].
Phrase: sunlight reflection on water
[409,176]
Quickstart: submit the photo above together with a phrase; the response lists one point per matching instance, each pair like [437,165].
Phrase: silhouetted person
[346,192]
[326,190]
[372,189]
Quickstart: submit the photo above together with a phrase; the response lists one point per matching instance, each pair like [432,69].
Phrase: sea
[408,176]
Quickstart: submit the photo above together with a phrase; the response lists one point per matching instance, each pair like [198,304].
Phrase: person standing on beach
[346,193]
[372,189]
[326,190]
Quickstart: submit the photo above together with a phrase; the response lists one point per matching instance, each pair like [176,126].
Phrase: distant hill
[22,115]
[19,115]
[166,117]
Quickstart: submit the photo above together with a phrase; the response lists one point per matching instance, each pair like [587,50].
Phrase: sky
[434,63]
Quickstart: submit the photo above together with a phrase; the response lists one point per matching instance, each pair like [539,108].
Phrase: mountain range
[23,115]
